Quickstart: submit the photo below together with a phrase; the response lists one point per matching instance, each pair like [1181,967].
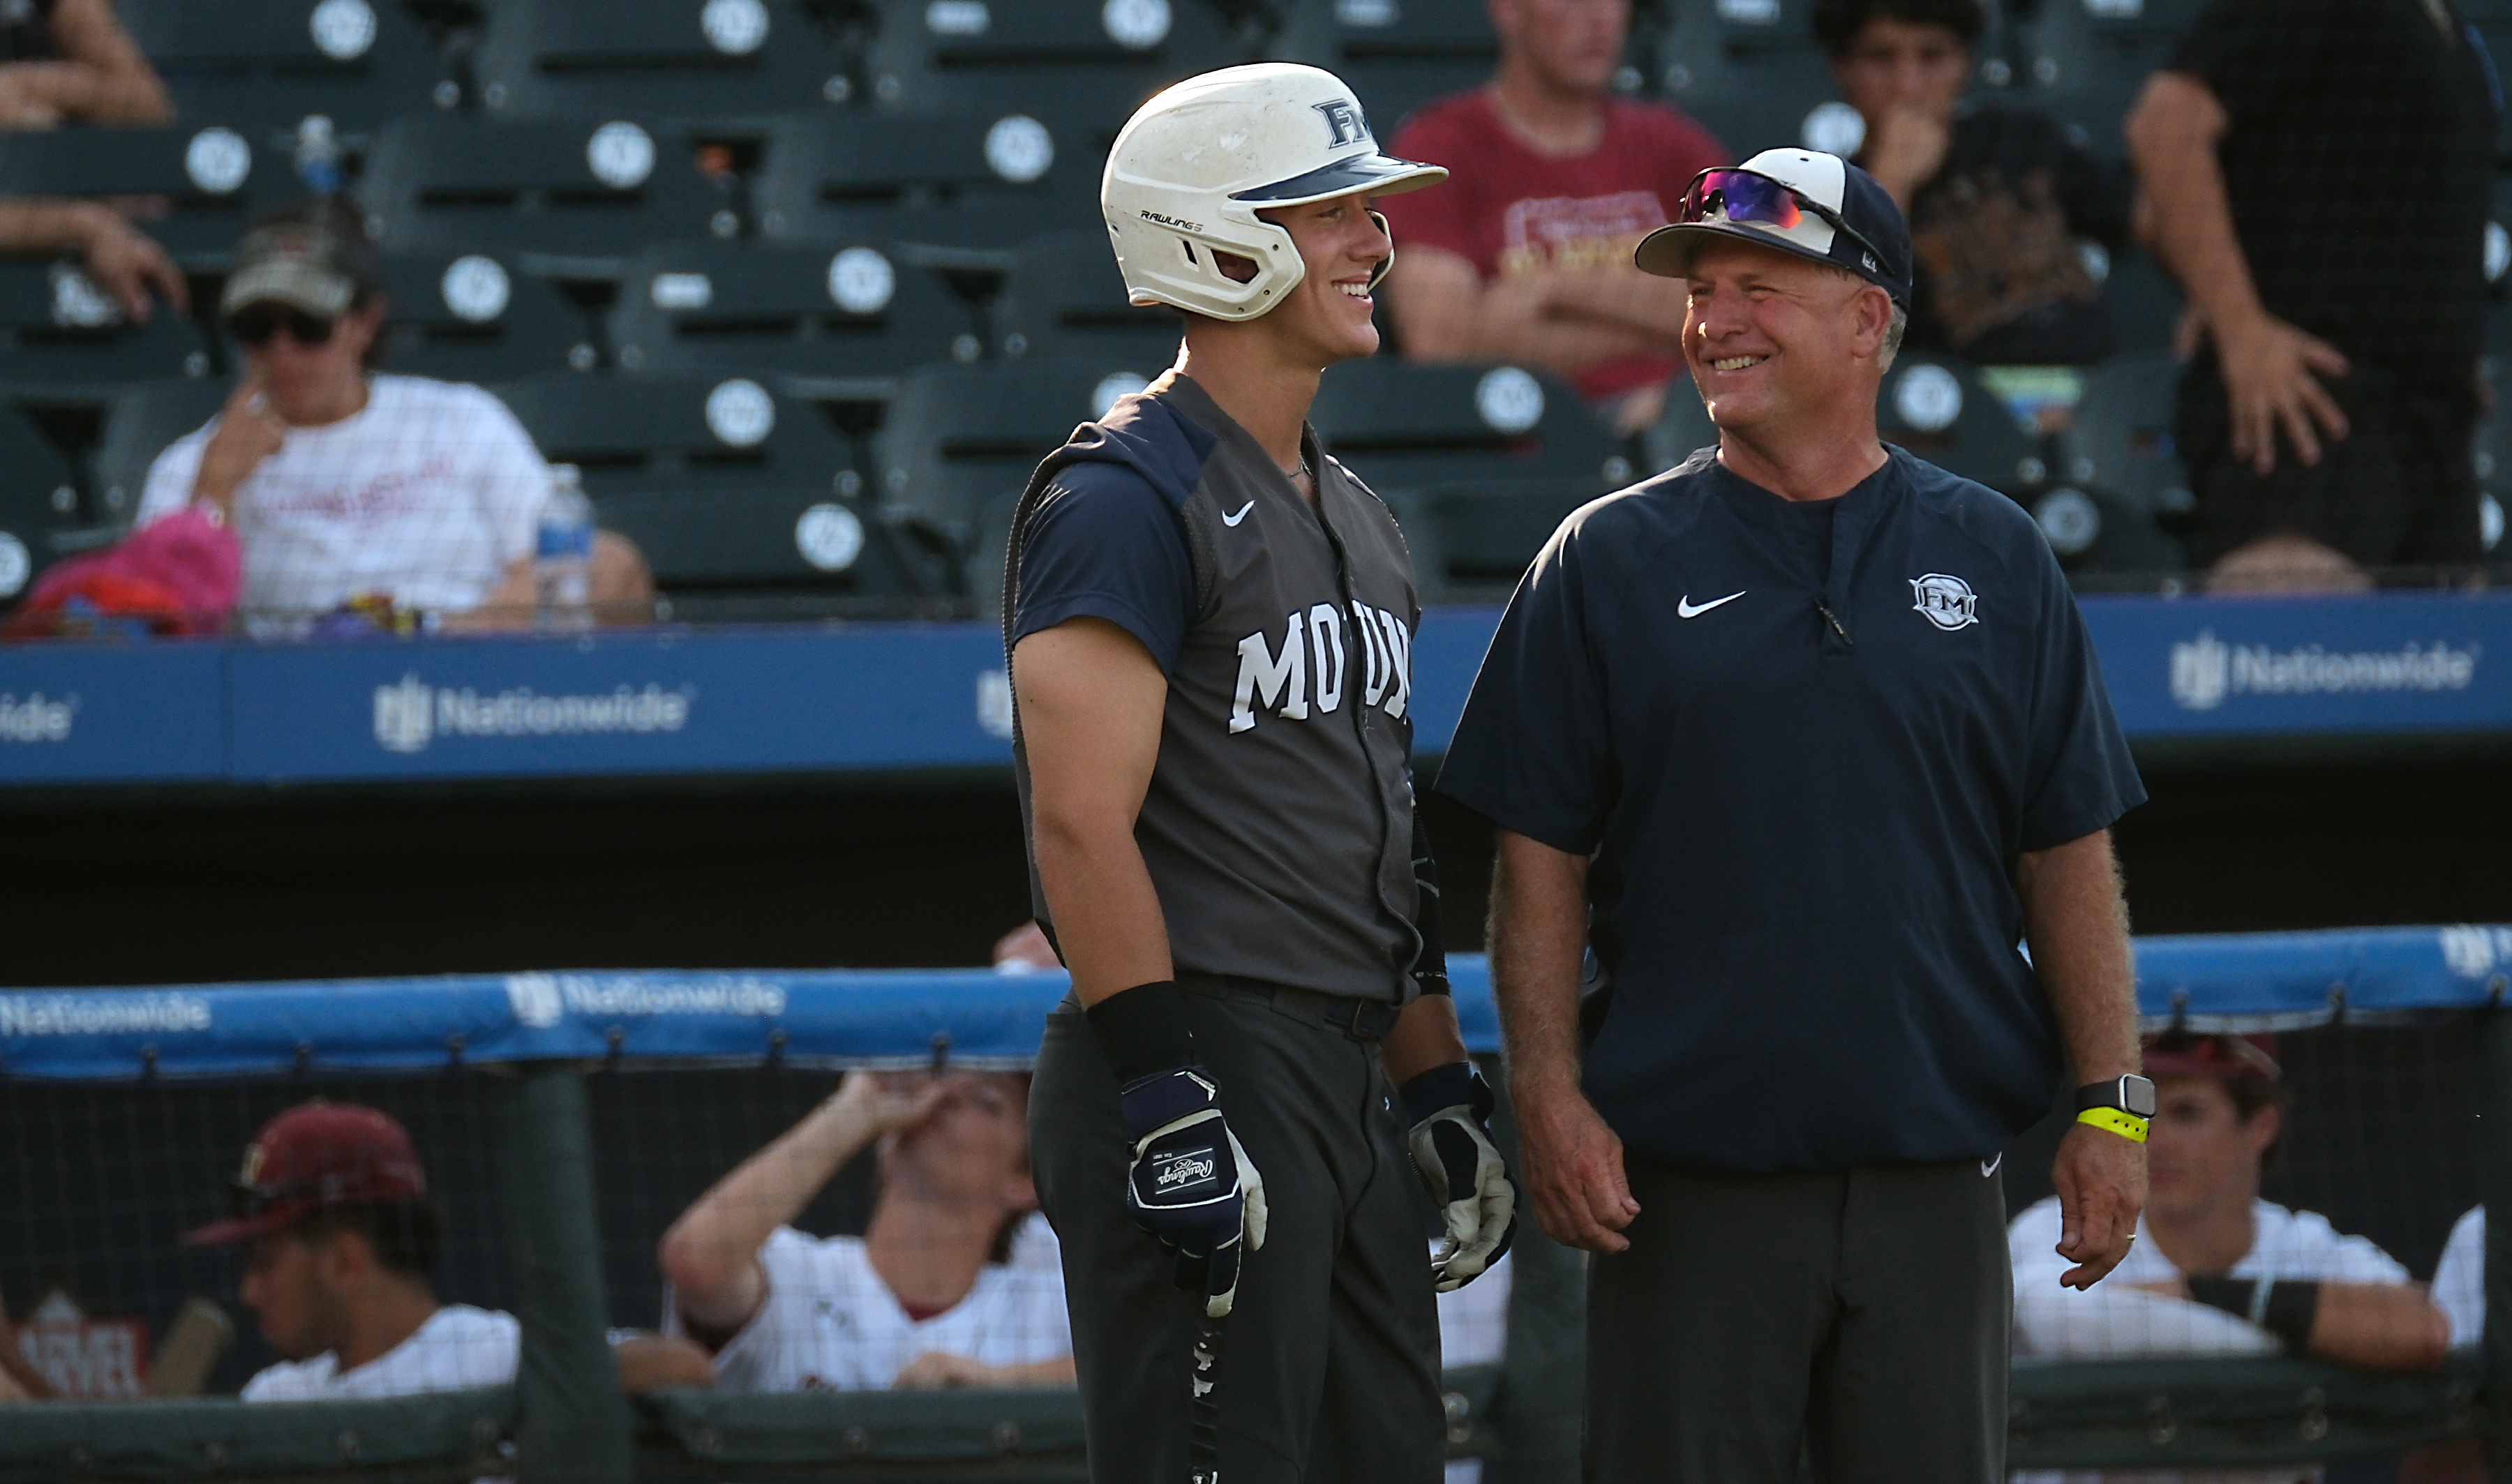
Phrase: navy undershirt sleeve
[1530,754]
[2079,776]
[1104,544]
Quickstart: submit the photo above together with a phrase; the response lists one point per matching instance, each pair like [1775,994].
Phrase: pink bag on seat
[179,574]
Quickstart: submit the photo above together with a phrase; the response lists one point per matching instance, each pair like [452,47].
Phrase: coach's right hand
[1571,1162]
[1192,1186]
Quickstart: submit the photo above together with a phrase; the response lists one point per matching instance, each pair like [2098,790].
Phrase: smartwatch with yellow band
[2124,1105]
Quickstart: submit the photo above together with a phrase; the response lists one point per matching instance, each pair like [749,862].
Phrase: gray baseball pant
[1329,1364]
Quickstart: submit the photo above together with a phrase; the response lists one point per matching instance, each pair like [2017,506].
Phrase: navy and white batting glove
[1452,1148]
[1192,1186]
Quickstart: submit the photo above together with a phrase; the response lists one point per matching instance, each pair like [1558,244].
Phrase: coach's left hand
[2100,1180]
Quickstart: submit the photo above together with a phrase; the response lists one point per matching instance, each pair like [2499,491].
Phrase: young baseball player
[1209,624]
[342,1234]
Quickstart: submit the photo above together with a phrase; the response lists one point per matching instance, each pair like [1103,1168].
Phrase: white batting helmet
[1193,165]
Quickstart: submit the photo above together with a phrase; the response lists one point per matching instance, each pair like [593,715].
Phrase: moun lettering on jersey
[1310,670]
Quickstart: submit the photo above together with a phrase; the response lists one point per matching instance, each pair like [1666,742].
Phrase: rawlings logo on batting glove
[1452,1149]
[1192,1186]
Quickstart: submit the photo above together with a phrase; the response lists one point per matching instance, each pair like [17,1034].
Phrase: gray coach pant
[1330,1360]
[1857,1316]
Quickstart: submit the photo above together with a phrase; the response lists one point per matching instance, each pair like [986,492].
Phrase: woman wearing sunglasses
[412,502]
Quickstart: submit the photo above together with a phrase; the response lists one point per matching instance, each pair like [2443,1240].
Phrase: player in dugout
[1209,624]
[1805,736]
[930,1294]
[344,1235]
[2216,1269]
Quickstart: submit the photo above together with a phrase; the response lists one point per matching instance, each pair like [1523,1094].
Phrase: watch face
[2137,1095]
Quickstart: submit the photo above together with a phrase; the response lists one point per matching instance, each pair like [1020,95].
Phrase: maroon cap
[313,1156]
[2232,1058]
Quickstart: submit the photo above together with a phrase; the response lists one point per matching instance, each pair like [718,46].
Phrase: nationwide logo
[542,1000]
[411,712]
[102,1014]
[2472,953]
[36,719]
[2206,670]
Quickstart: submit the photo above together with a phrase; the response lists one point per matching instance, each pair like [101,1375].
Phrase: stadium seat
[2144,303]
[2121,438]
[660,59]
[1066,298]
[1401,425]
[138,425]
[1750,71]
[2084,62]
[764,554]
[1473,541]
[41,514]
[63,338]
[2119,451]
[1936,407]
[985,180]
[211,178]
[263,65]
[685,434]
[1682,428]
[959,438]
[581,194]
[1091,62]
[1397,56]
[848,312]
[477,317]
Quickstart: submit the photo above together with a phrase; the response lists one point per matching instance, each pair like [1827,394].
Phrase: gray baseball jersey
[1279,825]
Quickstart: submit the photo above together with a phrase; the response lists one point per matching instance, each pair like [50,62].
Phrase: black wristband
[2285,1309]
[2232,1295]
[2291,1310]
[1144,1030]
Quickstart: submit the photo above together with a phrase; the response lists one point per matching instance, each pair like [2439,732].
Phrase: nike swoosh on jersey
[1234,519]
[1989,1167]
[1685,607]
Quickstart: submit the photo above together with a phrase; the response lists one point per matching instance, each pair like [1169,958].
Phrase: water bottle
[318,155]
[562,558]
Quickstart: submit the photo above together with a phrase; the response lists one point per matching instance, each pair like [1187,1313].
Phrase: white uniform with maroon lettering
[458,1348]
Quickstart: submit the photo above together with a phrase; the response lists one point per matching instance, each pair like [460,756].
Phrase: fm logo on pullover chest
[1310,670]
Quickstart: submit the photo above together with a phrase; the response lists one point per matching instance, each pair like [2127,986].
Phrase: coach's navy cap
[1799,201]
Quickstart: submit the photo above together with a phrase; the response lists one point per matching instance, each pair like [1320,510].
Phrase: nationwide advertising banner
[904,1018]
[934,696]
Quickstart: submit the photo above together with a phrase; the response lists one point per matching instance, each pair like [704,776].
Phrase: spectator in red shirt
[1525,255]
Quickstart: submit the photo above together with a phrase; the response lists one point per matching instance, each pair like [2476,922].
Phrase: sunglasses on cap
[254,324]
[1742,196]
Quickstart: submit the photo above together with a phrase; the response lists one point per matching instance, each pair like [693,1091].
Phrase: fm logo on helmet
[1344,116]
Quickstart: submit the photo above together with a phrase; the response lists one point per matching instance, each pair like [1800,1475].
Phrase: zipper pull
[1830,618]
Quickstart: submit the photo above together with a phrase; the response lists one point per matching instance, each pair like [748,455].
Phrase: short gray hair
[1892,331]
[1893,334]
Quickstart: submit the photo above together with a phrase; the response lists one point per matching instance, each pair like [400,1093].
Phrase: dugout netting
[564,1121]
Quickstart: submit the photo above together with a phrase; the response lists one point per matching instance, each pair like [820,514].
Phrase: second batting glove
[1192,1186]
[1452,1148]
